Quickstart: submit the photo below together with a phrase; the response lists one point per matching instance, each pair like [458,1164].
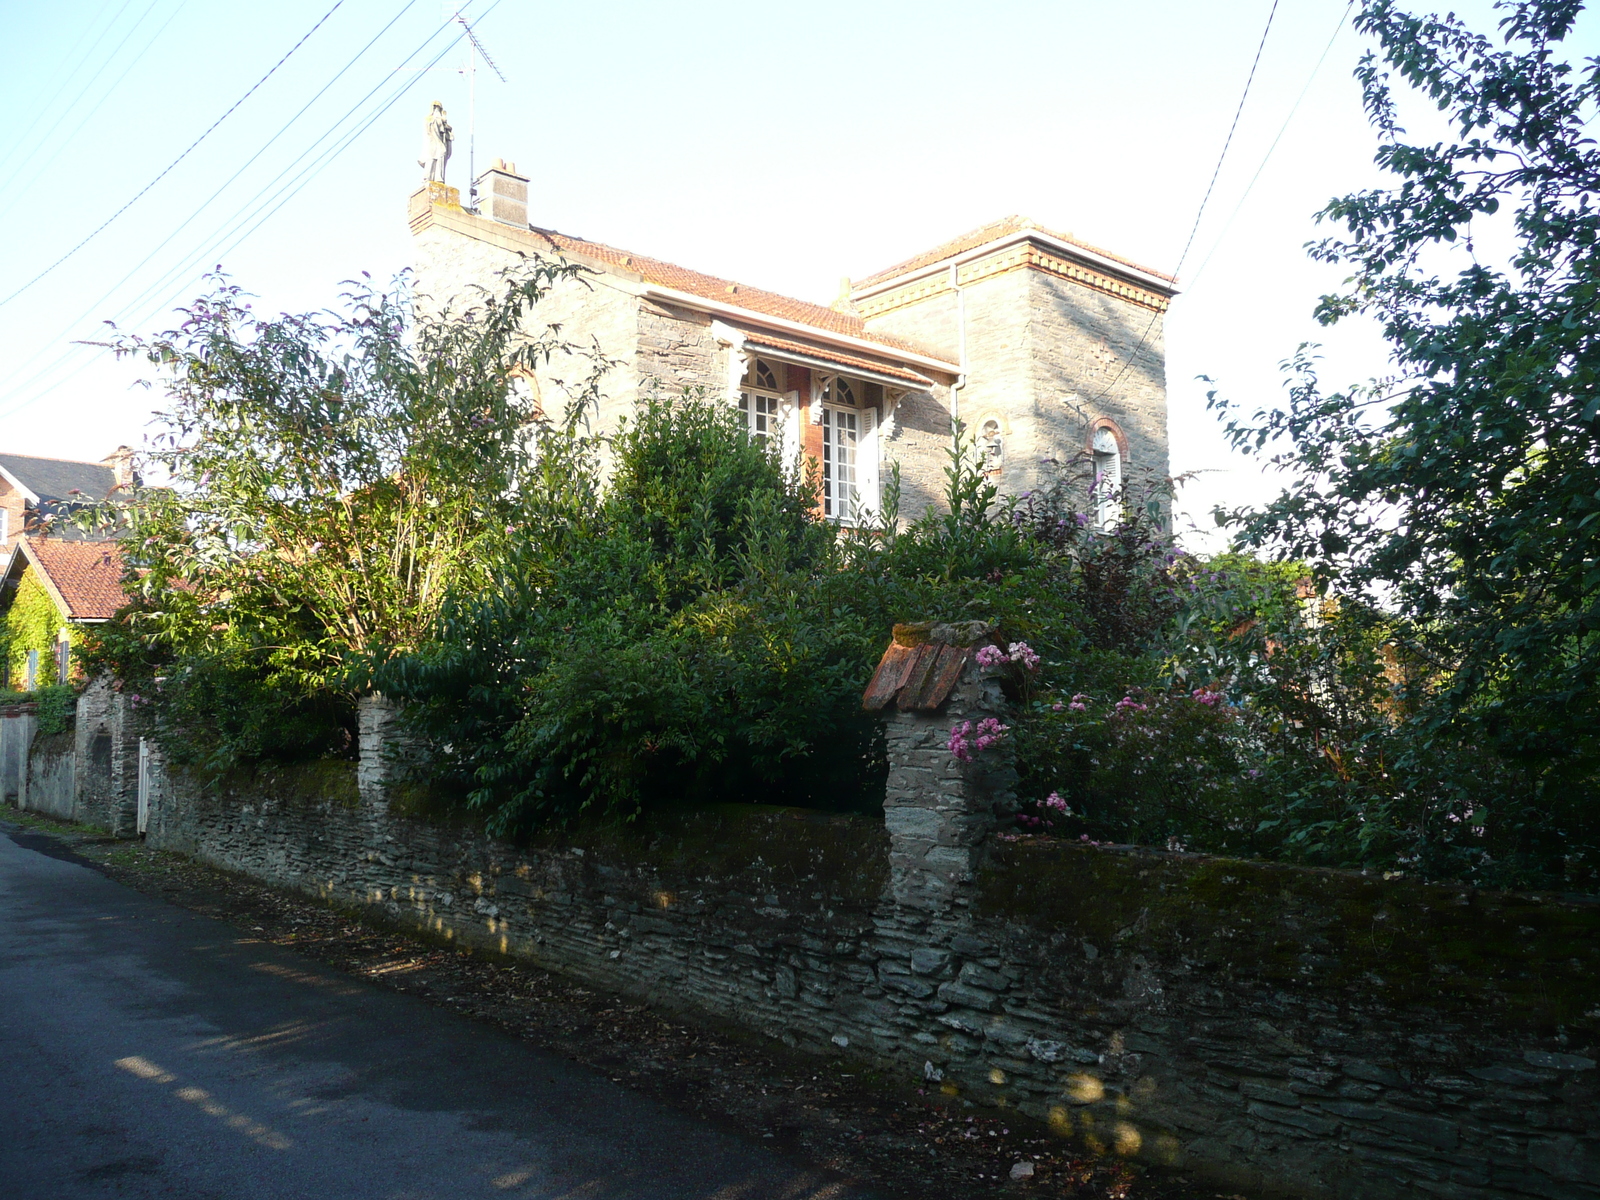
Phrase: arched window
[839,391]
[1105,494]
[762,374]
[760,396]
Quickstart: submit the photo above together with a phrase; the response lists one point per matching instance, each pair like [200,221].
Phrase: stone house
[1047,349]
[49,590]
[38,495]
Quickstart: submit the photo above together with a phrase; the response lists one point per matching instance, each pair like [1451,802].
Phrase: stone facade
[1048,361]
[1017,339]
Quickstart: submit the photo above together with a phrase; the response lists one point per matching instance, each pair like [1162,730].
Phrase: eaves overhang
[1160,284]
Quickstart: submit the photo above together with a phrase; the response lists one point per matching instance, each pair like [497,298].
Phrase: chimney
[503,194]
[120,461]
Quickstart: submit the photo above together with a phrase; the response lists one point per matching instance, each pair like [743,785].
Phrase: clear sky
[779,144]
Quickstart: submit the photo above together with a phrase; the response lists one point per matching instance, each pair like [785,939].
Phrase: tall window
[1106,494]
[760,396]
[841,436]
[63,660]
[31,678]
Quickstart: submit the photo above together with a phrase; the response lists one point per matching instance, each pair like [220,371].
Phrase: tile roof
[988,233]
[923,664]
[86,575]
[765,341]
[59,479]
[726,291]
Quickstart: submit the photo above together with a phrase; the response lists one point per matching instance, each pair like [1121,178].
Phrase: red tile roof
[726,291]
[86,575]
[988,233]
[762,340]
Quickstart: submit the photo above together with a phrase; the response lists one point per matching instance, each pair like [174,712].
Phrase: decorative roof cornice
[1026,250]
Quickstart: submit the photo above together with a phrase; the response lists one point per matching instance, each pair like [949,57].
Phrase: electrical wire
[1204,200]
[1304,92]
[94,111]
[44,138]
[267,208]
[66,76]
[169,167]
[187,221]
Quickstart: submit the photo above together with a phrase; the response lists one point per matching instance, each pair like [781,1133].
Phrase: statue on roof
[437,138]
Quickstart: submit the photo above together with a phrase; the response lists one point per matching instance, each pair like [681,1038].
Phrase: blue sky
[782,145]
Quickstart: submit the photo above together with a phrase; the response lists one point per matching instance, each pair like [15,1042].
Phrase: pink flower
[989,732]
[1022,654]
[990,656]
[1054,800]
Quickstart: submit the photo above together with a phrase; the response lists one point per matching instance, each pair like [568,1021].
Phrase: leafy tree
[1463,493]
[326,480]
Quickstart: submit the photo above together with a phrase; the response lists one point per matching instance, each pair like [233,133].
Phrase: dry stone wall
[1319,1033]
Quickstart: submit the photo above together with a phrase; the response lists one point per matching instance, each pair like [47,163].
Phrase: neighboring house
[50,589]
[39,495]
[1049,350]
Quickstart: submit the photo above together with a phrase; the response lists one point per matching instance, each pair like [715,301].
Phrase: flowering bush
[966,743]
[1146,767]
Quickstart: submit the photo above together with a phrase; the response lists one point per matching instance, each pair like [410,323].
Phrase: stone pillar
[384,748]
[939,810]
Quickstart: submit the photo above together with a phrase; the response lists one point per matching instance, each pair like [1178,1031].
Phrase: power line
[1204,200]
[1304,92]
[169,167]
[269,206]
[61,144]
[104,65]
[187,221]
[66,76]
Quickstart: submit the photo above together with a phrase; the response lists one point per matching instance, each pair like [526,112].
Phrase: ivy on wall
[33,622]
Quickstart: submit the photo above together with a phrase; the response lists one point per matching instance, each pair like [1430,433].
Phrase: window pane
[760,414]
[839,436]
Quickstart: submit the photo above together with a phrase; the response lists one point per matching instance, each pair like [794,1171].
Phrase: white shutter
[868,500]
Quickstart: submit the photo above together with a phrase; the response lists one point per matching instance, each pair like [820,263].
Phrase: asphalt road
[146,1051]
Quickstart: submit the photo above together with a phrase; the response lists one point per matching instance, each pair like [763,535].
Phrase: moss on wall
[826,857]
[303,785]
[1505,956]
[32,622]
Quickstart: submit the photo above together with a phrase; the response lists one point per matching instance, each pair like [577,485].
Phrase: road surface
[146,1051]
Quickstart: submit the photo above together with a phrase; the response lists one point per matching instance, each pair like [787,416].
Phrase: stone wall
[106,748]
[591,310]
[48,788]
[1319,1033]
[17,726]
[1046,359]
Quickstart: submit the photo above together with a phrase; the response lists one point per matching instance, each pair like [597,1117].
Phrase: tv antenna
[474,50]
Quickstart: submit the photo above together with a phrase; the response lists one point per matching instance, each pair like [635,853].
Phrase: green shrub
[56,707]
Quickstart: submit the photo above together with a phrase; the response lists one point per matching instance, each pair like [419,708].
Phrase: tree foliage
[326,480]
[1463,492]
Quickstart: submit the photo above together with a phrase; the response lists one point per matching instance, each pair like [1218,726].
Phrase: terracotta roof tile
[988,233]
[726,291]
[763,340]
[88,575]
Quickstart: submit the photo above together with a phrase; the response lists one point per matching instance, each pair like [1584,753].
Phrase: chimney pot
[120,461]
[503,194]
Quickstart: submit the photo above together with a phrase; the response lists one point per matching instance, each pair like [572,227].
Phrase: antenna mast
[474,49]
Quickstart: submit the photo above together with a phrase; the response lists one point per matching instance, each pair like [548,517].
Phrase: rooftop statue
[437,139]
